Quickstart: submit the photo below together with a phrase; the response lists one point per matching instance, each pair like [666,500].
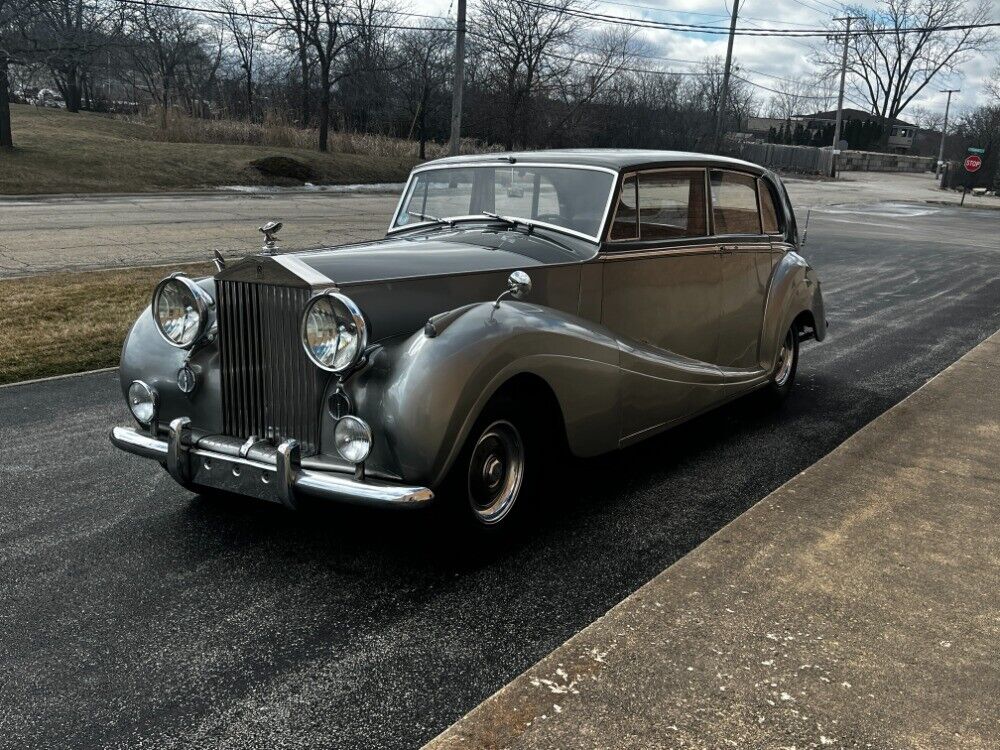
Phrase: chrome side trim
[325,485]
[699,249]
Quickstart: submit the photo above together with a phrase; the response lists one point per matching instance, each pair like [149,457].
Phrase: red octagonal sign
[973,163]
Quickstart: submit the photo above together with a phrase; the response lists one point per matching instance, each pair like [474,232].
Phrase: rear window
[734,203]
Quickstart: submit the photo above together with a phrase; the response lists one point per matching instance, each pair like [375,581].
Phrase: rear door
[746,263]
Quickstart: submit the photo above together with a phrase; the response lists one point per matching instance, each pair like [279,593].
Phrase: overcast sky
[764,57]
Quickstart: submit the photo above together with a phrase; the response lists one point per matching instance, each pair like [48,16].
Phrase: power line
[266,17]
[718,30]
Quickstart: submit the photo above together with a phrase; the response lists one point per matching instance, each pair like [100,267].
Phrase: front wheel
[783,377]
[495,472]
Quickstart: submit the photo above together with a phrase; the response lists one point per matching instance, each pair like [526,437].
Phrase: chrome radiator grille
[269,387]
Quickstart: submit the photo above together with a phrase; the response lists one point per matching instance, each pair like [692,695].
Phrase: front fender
[795,288]
[424,393]
[147,357]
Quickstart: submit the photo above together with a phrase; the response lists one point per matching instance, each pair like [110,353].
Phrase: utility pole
[455,143]
[724,92]
[944,130]
[840,97]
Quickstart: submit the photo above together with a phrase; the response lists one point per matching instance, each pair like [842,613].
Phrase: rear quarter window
[771,220]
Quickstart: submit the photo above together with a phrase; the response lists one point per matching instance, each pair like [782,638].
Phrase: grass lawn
[65,323]
[59,152]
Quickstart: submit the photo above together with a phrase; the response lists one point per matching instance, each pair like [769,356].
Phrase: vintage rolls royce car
[520,303]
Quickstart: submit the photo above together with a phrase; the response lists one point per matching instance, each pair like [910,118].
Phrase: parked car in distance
[520,303]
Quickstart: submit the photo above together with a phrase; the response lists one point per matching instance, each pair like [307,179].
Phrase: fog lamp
[353,438]
[142,402]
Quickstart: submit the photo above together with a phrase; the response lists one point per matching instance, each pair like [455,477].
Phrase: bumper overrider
[260,471]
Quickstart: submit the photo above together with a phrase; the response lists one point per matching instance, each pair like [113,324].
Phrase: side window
[769,220]
[734,203]
[672,205]
[625,225]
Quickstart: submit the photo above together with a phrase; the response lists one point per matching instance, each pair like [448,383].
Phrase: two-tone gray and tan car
[519,303]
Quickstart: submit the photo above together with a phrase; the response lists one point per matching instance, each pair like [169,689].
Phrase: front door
[662,275]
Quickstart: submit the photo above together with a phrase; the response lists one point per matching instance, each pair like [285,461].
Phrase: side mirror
[518,287]
[519,284]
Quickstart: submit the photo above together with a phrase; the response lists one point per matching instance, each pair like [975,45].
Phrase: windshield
[565,198]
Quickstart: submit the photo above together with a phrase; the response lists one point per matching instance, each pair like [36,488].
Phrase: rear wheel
[783,377]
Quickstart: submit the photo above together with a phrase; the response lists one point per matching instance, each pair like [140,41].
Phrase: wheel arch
[794,298]
[425,393]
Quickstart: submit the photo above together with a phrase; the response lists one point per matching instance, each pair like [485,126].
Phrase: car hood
[441,253]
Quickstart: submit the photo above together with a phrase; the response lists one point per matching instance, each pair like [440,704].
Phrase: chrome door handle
[728,248]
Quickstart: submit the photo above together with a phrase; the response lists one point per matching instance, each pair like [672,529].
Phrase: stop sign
[973,163]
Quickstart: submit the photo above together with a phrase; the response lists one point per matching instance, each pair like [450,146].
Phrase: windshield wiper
[428,217]
[512,221]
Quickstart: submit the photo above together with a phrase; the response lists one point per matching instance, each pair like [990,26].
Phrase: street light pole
[724,93]
[840,96]
[455,142]
[944,130]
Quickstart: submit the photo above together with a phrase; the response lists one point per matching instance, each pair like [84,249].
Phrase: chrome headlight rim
[357,318]
[365,430]
[203,304]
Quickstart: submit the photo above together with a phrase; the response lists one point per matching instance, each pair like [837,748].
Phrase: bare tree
[613,52]
[425,64]
[163,37]
[889,67]
[329,30]
[69,34]
[794,96]
[519,43]
[295,25]
[926,119]
[247,33]
[12,42]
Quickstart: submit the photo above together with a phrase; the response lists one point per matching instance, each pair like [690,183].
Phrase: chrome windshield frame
[595,238]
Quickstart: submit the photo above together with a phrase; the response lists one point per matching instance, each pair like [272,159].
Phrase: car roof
[619,159]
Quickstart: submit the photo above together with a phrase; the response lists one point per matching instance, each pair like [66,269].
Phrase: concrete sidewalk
[856,606]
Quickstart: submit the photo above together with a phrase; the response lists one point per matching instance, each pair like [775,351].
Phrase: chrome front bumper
[276,476]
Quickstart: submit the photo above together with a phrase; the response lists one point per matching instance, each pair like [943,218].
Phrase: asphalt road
[41,235]
[133,614]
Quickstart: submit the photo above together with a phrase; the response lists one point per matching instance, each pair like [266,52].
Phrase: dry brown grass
[71,322]
[276,131]
[61,152]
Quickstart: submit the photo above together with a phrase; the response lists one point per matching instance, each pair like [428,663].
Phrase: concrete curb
[852,607]
[58,377]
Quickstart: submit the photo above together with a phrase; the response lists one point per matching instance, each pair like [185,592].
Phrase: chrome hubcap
[786,358]
[496,471]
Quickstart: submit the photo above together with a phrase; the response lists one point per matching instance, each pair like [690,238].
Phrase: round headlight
[333,332]
[142,402]
[180,309]
[353,438]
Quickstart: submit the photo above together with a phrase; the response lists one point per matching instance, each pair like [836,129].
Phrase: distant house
[861,129]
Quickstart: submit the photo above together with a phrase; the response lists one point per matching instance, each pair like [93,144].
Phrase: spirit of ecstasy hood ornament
[270,231]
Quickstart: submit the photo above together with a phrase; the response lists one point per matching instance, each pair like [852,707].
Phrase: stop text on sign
[973,163]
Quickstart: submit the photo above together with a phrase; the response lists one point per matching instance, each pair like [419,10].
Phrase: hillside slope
[59,152]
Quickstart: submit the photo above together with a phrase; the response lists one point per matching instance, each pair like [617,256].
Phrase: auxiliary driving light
[353,438]
[142,402]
